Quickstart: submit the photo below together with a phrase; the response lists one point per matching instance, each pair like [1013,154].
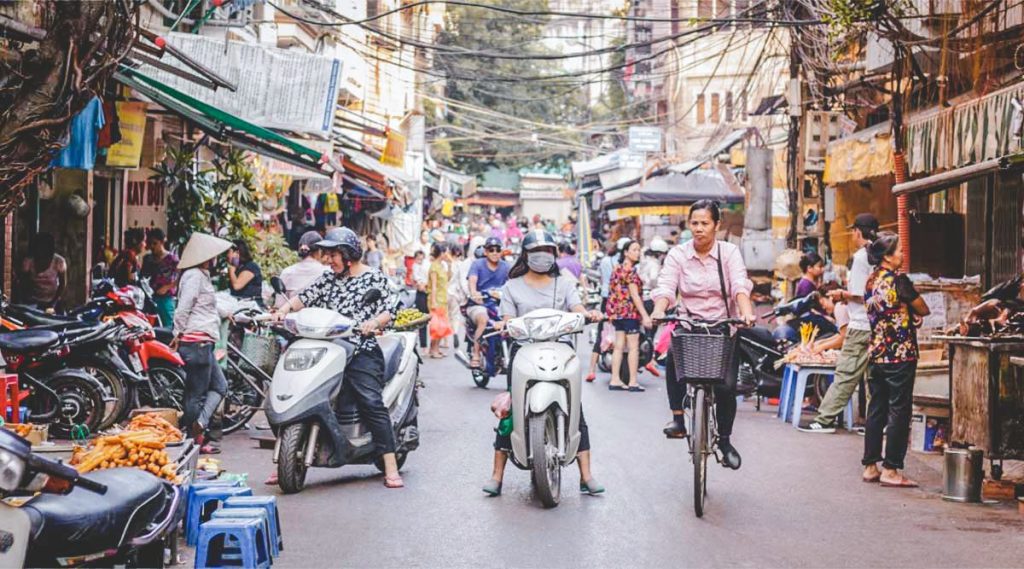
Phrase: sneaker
[816,427]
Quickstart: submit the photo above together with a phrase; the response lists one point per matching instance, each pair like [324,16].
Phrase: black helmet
[538,238]
[344,239]
[479,252]
[493,242]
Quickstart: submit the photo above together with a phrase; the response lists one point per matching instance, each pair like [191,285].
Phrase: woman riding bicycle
[710,279]
[534,283]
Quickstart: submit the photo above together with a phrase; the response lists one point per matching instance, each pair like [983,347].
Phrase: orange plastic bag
[439,325]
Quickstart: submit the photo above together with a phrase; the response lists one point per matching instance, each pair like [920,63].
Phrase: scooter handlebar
[65,472]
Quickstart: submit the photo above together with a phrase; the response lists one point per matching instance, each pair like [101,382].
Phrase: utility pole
[793,158]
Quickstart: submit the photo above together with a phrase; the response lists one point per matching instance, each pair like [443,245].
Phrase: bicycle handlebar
[702,323]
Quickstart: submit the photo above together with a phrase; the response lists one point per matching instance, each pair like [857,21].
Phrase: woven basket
[702,358]
[263,350]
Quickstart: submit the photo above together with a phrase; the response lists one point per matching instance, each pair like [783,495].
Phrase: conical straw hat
[201,247]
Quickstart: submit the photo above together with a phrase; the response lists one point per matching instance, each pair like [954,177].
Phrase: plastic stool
[800,387]
[789,374]
[11,396]
[198,511]
[256,513]
[198,485]
[246,532]
[268,503]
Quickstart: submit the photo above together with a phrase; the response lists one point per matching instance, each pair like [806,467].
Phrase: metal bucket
[963,474]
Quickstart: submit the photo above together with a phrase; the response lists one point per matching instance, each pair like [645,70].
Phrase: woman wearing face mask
[534,283]
[710,279]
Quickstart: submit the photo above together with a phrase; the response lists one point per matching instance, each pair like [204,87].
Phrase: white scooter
[316,427]
[546,388]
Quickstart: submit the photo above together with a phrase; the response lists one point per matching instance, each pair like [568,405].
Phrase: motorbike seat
[83,522]
[165,335]
[21,341]
[393,349]
[34,316]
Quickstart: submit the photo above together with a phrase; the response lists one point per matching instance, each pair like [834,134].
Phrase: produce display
[20,429]
[410,318]
[167,432]
[802,353]
[143,449]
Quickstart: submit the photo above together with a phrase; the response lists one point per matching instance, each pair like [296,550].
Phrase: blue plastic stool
[799,387]
[848,412]
[257,513]
[197,507]
[245,533]
[268,503]
[200,484]
[789,374]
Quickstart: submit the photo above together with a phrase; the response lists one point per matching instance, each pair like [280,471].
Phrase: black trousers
[725,397]
[364,382]
[504,442]
[421,305]
[891,392]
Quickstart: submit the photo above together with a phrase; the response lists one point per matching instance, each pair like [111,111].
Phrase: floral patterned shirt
[345,295]
[620,304]
[887,298]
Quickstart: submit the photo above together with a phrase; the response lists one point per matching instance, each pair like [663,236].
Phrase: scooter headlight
[12,470]
[301,359]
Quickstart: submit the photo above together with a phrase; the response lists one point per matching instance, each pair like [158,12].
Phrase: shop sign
[127,153]
[145,202]
[394,150]
[644,139]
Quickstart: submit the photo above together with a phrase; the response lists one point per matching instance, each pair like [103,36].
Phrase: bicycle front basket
[263,350]
[702,357]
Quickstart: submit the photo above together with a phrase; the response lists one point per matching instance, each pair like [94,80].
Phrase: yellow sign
[394,151]
[621,213]
[128,152]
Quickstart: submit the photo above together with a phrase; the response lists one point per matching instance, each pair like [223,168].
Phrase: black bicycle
[702,352]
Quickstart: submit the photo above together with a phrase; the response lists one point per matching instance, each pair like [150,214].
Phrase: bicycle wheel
[699,450]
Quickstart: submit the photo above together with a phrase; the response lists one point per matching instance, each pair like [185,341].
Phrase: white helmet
[621,243]
[658,245]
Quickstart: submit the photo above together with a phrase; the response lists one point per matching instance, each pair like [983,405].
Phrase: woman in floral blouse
[625,309]
[895,310]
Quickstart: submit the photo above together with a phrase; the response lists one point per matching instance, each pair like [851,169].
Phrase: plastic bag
[607,336]
[439,325]
[502,405]
[664,339]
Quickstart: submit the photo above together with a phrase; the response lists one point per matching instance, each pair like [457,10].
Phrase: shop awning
[221,125]
[357,188]
[859,157]
[675,189]
[617,214]
[732,139]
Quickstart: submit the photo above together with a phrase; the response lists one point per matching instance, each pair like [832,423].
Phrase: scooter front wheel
[481,378]
[291,466]
[547,469]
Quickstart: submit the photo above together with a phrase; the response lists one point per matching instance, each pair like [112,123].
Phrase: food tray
[415,324]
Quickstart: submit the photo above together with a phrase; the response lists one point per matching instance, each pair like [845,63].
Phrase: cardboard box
[167,414]
[929,429]
[37,436]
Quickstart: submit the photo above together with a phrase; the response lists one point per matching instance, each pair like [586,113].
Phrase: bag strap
[721,282]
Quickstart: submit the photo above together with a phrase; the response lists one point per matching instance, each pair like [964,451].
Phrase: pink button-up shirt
[696,280]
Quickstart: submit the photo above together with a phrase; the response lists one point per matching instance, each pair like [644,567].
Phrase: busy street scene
[512,283]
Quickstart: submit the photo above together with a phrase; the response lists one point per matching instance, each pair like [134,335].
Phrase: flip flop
[617,388]
[636,388]
[395,482]
[871,480]
[903,483]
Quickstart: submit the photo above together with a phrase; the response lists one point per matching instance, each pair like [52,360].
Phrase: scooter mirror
[277,284]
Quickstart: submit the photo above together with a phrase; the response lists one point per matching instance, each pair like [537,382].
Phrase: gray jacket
[197,305]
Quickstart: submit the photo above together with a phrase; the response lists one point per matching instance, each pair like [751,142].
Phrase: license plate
[136,362]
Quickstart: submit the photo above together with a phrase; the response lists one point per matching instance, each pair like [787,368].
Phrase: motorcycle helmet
[536,239]
[493,242]
[622,242]
[479,252]
[344,239]
[658,245]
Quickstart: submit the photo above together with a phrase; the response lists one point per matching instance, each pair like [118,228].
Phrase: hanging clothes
[110,134]
[80,153]
[318,212]
[331,208]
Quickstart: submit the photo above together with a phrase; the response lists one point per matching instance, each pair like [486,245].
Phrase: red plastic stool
[10,394]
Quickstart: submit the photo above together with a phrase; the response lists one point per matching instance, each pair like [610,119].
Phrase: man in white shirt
[300,275]
[853,360]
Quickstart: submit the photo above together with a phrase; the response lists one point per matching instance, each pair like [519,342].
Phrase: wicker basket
[263,349]
[702,357]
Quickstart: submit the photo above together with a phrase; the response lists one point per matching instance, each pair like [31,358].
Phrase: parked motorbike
[115,517]
[62,396]
[315,426]
[760,349]
[493,350]
[546,387]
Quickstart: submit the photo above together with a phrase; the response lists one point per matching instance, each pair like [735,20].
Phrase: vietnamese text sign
[128,151]
[276,88]
[644,139]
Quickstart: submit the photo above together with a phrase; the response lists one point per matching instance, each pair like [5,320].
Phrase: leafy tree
[475,142]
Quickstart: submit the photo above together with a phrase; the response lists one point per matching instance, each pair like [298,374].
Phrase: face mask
[540,262]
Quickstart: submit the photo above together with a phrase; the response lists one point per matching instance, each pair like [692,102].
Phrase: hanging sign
[644,139]
[127,153]
[394,150]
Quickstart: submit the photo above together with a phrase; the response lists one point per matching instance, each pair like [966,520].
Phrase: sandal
[492,488]
[271,480]
[474,362]
[209,449]
[653,369]
[593,487]
[903,482]
[590,378]
[617,388]
[870,479]
[637,388]
[394,482]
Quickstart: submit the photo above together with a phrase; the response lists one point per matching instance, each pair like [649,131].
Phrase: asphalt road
[797,502]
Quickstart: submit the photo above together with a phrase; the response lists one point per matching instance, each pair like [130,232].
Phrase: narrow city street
[796,502]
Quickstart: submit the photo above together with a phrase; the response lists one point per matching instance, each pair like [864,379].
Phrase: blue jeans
[205,385]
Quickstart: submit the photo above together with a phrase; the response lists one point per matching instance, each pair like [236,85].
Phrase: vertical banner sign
[128,152]
[394,151]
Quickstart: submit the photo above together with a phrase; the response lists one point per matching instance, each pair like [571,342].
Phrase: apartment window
[728,107]
[743,107]
[372,8]
[705,9]
[700,108]
[675,16]
[715,108]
